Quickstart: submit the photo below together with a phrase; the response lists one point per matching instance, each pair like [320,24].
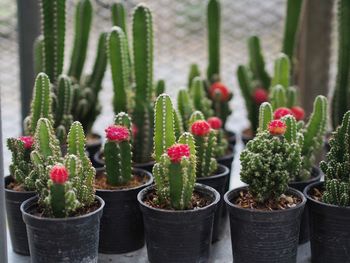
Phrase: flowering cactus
[117,151]
[272,157]
[336,167]
[222,143]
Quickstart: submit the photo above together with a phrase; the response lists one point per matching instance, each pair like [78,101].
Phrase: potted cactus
[66,212]
[83,89]
[178,214]
[265,215]
[121,223]
[328,201]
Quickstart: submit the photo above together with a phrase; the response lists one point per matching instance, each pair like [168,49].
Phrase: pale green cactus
[38,54]
[282,71]
[199,98]
[265,116]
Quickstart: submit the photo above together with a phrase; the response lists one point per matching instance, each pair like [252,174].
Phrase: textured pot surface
[17,228]
[316,174]
[179,236]
[264,236]
[122,228]
[73,239]
[219,183]
[329,230]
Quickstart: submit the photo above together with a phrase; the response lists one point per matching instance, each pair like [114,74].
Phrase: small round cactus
[260,95]
[281,112]
[117,133]
[200,128]
[177,152]
[215,123]
[298,113]
[219,89]
[277,127]
[59,174]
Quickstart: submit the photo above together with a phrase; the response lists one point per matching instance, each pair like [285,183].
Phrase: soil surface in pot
[137,180]
[317,194]
[246,200]
[15,186]
[92,138]
[198,201]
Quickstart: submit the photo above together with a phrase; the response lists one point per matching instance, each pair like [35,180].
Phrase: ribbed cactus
[194,72]
[282,71]
[221,140]
[185,107]
[205,141]
[41,105]
[117,151]
[83,19]
[118,59]
[271,157]
[278,97]
[213,17]
[341,101]
[159,87]
[200,101]
[142,29]
[38,55]
[336,167]
[53,25]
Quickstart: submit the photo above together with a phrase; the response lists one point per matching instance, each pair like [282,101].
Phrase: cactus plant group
[336,166]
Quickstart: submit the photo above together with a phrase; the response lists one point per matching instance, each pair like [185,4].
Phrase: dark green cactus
[159,87]
[336,167]
[199,98]
[185,107]
[83,19]
[194,72]
[282,71]
[38,55]
[53,24]
[213,16]
[341,101]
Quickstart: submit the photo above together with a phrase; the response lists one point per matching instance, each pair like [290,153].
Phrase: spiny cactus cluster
[117,151]
[341,101]
[336,167]
[221,141]
[175,168]
[77,89]
[272,157]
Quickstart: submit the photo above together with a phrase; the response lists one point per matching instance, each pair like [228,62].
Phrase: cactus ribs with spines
[222,143]
[272,157]
[336,167]
[199,99]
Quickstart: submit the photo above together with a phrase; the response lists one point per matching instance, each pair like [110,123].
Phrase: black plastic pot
[100,163]
[73,239]
[179,236]
[227,161]
[329,230]
[121,228]
[219,183]
[93,147]
[231,137]
[264,236]
[316,174]
[17,228]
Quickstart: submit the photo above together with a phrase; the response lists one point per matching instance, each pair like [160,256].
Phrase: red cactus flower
[200,128]
[59,174]
[177,151]
[260,95]
[117,133]
[28,141]
[215,123]
[277,127]
[281,112]
[219,88]
[298,113]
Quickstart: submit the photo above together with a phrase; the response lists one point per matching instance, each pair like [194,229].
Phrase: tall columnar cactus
[282,71]
[194,72]
[206,143]
[213,16]
[142,30]
[200,101]
[38,54]
[341,101]
[117,151]
[159,87]
[185,107]
[336,167]
[175,173]
[41,105]
[83,19]
[118,58]
[53,25]
[271,157]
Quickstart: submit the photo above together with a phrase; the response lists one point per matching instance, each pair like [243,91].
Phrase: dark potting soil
[246,200]
[14,186]
[198,200]
[40,211]
[101,182]
[316,194]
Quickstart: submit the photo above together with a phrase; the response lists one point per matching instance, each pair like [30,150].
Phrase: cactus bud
[59,174]
[218,89]
[281,112]
[298,113]
[200,128]
[277,127]
[260,95]
[177,151]
[215,123]
[28,141]
[117,133]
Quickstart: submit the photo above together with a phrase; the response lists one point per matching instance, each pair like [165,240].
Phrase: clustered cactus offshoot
[336,168]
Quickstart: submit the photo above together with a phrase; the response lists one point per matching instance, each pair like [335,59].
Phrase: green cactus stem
[160,87]
[278,97]
[282,70]
[38,55]
[213,16]
[199,98]
[53,24]
[265,116]
[185,107]
[194,72]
